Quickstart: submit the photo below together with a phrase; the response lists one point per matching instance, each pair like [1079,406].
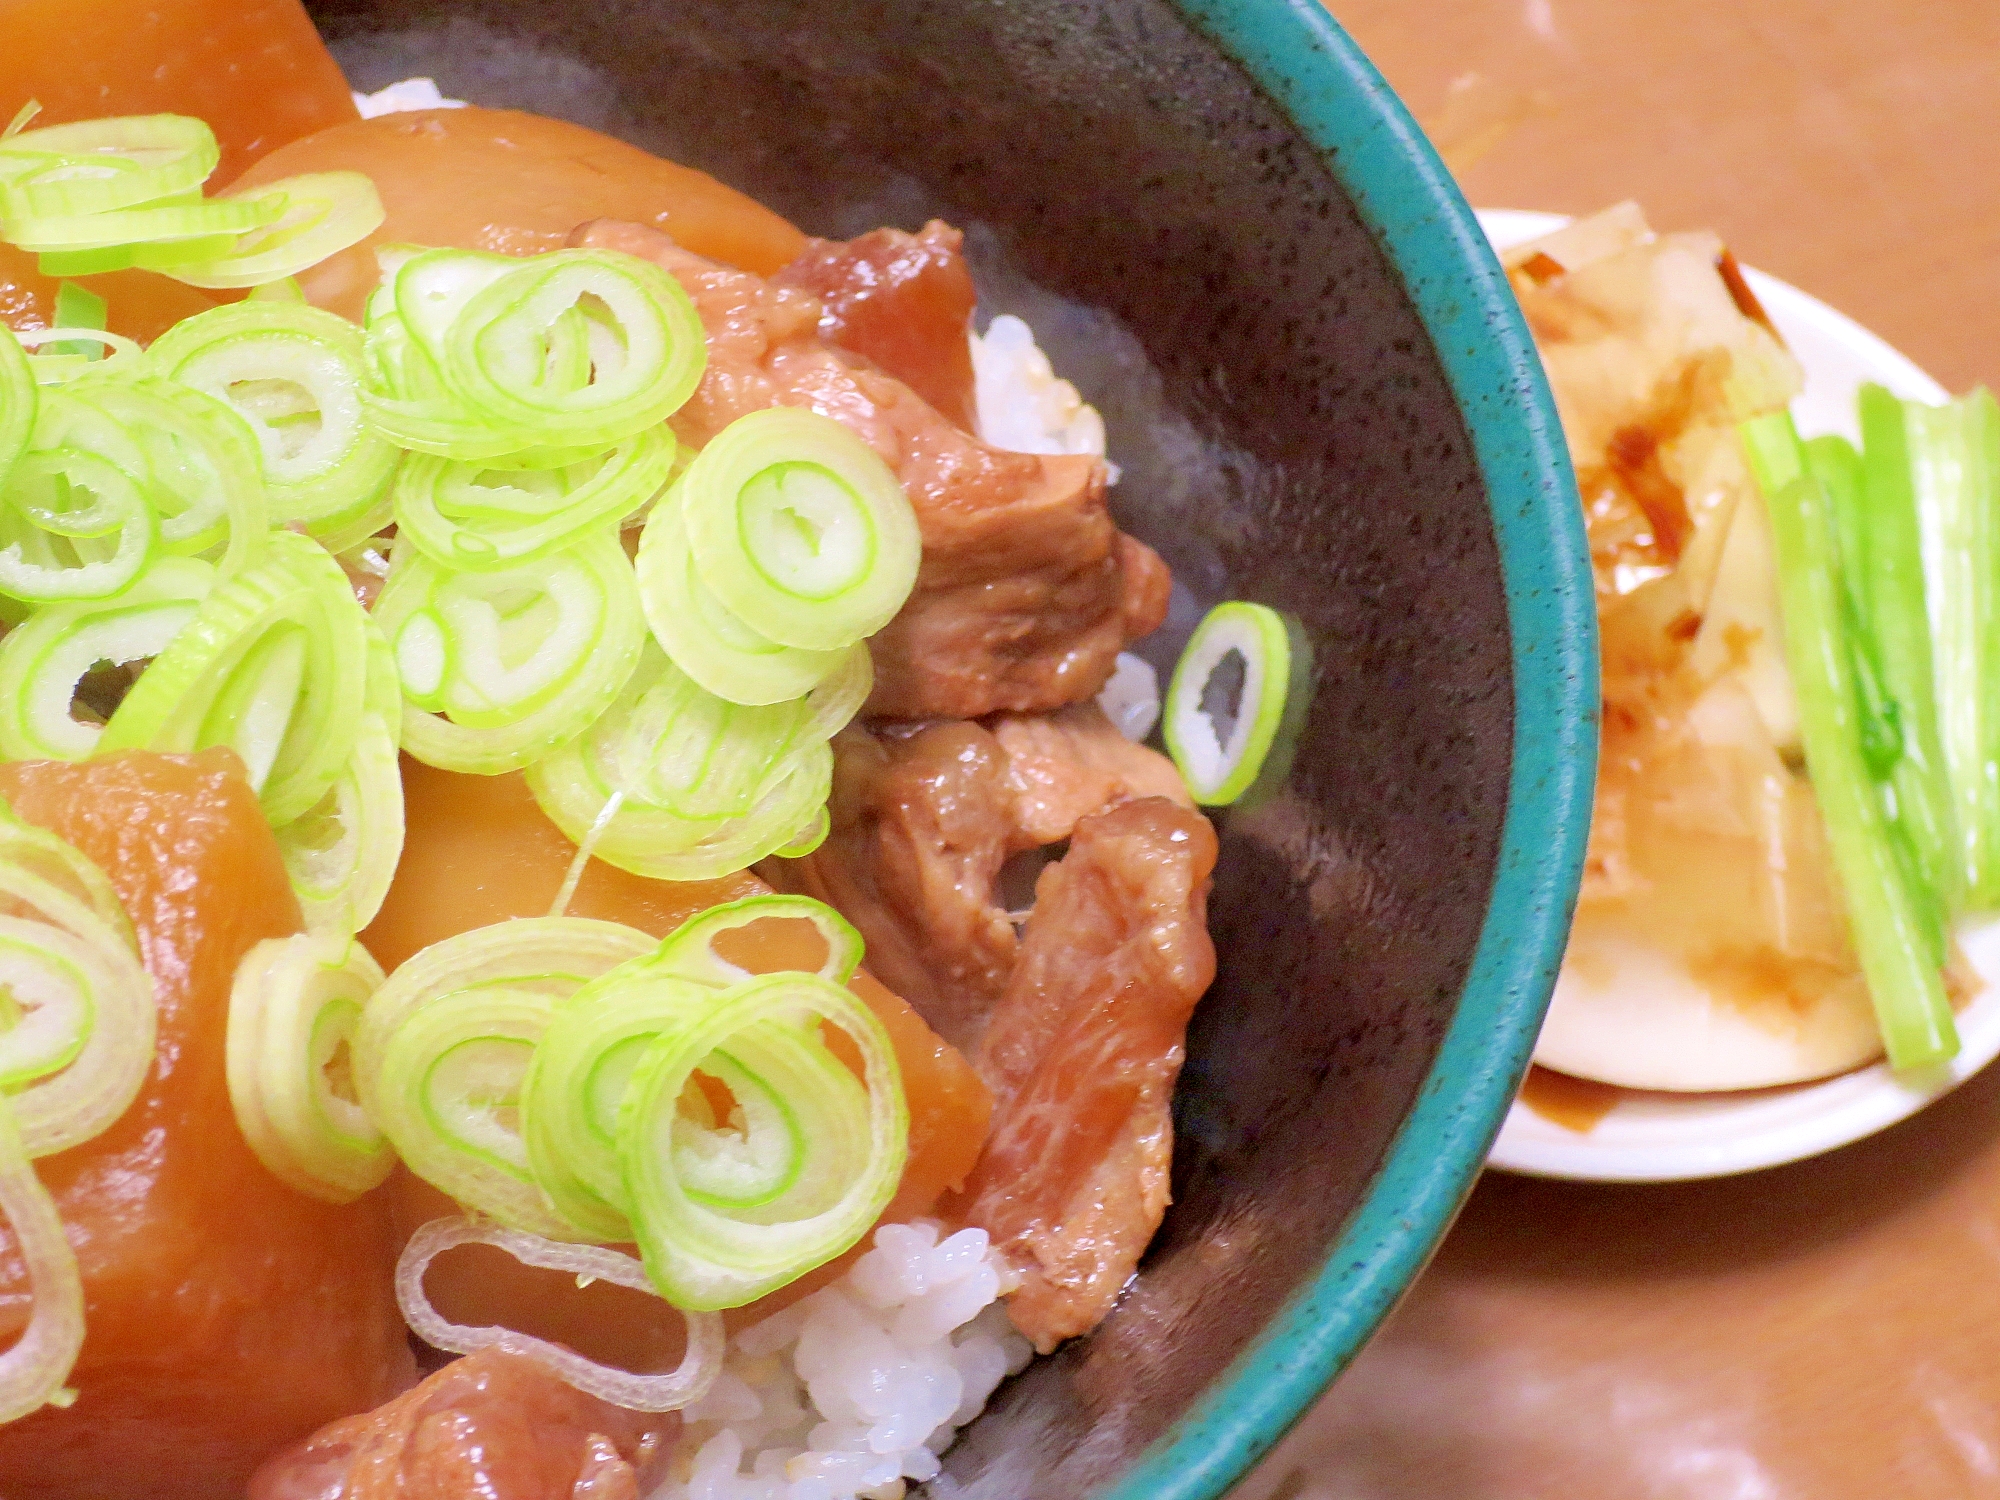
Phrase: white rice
[857,1389]
[1022,405]
[411,93]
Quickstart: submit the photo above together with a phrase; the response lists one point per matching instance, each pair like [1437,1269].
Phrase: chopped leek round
[274,665]
[704,639]
[1221,751]
[293,1011]
[101,166]
[32,1372]
[294,374]
[205,482]
[501,667]
[575,783]
[156,235]
[558,355]
[80,1009]
[669,1392]
[19,400]
[439,1091]
[342,854]
[800,529]
[692,953]
[726,1210]
[473,516]
[315,216]
[75,516]
[44,661]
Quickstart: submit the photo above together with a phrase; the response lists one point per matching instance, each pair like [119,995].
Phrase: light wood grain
[1828,1331]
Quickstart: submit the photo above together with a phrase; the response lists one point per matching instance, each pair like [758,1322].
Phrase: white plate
[1665,1137]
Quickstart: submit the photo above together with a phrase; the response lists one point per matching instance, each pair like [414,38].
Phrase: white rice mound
[401,97]
[856,1390]
[1022,404]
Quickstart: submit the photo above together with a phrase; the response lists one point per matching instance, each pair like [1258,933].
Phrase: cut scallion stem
[293,1009]
[78,307]
[33,1370]
[1222,750]
[1891,925]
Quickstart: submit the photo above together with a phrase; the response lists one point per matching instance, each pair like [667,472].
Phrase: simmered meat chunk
[493,1425]
[1027,591]
[923,820]
[903,301]
[1081,1055]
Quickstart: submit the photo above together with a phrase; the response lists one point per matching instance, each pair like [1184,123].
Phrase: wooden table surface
[1826,1331]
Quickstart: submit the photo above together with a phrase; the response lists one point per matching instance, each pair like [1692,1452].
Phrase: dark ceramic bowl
[1230,235]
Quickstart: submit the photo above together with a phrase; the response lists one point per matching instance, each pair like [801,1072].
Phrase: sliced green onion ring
[78,307]
[293,1011]
[318,215]
[101,166]
[80,1007]
[342,854]
[800,529]
[809,1160]
[690,951]
[574,784]
[557,355]
[294,373]
[655,1393]
[57,366]
[492,990]
[32,1372]
[704,639]
[57,545]
[1220,767]
[501,667]
[472,516]
[44,661]
[274,665]
[19,400]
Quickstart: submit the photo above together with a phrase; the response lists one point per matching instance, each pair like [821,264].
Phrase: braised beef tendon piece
[903,301]
[924,817]
[494,1425]
[1028,591]
[1081,1054]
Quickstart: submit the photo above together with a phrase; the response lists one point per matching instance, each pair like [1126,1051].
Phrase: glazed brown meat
[1027,590]
[1081,1054]
[493,1426]
[903,301]
[923,820]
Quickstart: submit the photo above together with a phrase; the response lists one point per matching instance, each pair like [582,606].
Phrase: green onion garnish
[502,666]
[295,1003]
[1222,749]
[1893,917]
[32,1372]
[294,374]
[78,307]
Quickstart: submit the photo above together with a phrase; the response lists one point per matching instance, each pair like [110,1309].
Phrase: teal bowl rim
[1408,200]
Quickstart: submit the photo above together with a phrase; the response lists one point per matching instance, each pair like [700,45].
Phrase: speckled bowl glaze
[1230,235]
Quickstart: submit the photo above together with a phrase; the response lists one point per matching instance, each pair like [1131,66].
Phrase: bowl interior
[1287,433]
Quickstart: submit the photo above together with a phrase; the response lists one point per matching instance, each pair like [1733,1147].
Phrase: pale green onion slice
[575,784]
[448,1094]
[691,952]
[669,1392]
[78,307]
[44,661]
[594,1043]
[32,1372]
[80,1009]
[101,166]
[501,667]
[473,516]
[559,355]
[450,1132]
[294,373]
[205,480]
[800,529]
[342,854]
[75,514]
[158,234]
[274,665]
[319,214]
[704,639]
[19,400]
[293,1011]
[56,367]
[727,1211]
[1221,752]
